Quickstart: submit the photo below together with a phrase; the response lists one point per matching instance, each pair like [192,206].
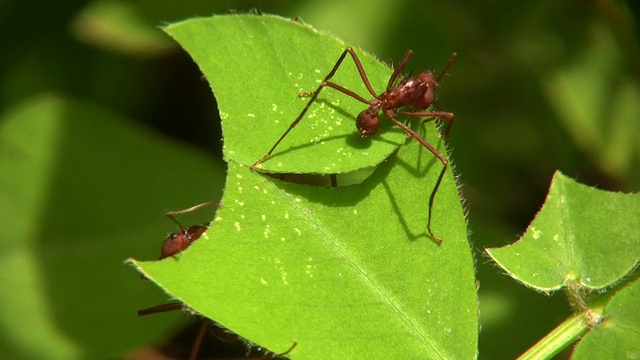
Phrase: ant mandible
[415,91]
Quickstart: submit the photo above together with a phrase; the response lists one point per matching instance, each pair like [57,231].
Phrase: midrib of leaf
[567,228]
[358,266]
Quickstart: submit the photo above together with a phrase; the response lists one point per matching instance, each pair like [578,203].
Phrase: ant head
[368,121]
[427,77]
[174,244]
[428,97]
[181,240]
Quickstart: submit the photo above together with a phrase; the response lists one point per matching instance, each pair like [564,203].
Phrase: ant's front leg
[431,116]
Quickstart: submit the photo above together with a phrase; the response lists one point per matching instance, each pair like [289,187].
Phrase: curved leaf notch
[581,236]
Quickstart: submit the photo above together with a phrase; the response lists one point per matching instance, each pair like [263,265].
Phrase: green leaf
[81,190]
[617,336]
[602,119]
[345,272]
[581,236]
[257,65]
[119,27]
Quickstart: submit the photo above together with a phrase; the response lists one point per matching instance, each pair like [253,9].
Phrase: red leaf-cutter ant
[415,92]
[179,241]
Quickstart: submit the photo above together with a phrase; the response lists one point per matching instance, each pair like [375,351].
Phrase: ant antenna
[172,214]
[452,59]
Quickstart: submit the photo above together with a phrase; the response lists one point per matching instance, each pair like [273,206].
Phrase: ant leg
[449,117]
[450,120]
[447,130]
[160,309]
[443,160]
[315,94]
[295,122]
[398,70]
[430,114]
[286,352]
[195,349]
[363,74]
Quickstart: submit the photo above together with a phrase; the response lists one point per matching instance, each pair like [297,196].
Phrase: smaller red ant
[416,92]
[179,241]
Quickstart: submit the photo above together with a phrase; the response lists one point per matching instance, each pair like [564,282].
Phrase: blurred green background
[105,124]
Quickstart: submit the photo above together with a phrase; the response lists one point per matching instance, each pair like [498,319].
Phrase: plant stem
[557,340]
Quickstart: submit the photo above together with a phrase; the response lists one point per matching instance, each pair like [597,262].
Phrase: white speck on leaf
[251,115]
[298,231]
[536,233]
[237,225]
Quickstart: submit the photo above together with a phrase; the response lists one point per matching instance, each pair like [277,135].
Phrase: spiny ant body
[416,92]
